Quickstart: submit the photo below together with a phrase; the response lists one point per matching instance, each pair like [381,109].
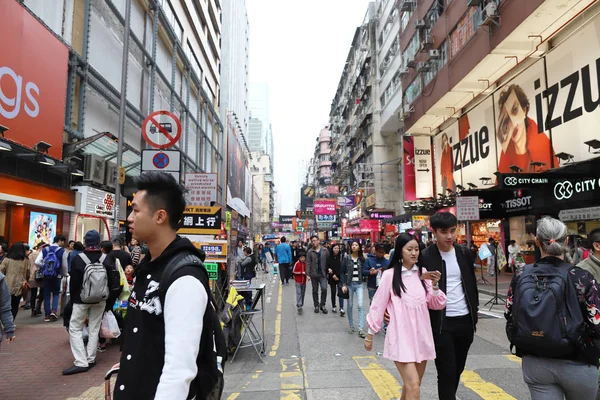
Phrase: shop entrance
[85,222]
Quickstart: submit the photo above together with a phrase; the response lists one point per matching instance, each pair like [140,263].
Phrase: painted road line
[384,384]
[486,390]
[233,396]
[277,339]
[292,379]
[514,358]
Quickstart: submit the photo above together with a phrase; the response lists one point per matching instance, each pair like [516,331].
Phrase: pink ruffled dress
[409,336]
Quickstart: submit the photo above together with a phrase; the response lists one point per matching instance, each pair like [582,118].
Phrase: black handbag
[343,295]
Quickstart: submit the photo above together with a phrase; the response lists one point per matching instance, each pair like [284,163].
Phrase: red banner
[369,225]
[410,186]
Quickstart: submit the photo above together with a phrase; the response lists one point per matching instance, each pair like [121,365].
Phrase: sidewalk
[489,288]
[31,366]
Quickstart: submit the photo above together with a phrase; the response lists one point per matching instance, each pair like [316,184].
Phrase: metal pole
[122,110]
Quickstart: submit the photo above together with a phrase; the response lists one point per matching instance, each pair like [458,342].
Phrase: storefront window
[522,231]
[481,232]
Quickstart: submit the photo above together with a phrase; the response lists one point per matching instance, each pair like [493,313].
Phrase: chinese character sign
[467,208]
[201,187]
[201,220]
[324,207]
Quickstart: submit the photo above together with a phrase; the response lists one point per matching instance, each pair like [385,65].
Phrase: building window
[172,19]
[189,52]
[413,91]
[404,20]
[411,49]
[436,65]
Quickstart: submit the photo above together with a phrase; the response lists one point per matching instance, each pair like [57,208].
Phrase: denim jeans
[357,288]
[51,287]
[300,292]
[371,294]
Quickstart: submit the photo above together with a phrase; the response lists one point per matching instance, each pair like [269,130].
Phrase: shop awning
[105,145]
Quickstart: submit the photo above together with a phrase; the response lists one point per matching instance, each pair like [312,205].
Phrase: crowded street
[308,356]
[314,200]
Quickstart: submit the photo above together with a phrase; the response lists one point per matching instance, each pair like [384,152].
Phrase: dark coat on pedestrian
[312,264]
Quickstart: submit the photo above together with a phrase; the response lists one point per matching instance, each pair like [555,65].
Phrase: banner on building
[307,197]
[370,225]
[410,188]
[332,189]
[345,201]
[201,221]
[423,167]
[324,207]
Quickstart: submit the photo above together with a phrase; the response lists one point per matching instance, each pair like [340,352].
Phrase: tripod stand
[482,278]
[494,301]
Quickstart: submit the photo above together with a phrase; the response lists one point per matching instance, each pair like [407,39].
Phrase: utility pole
[122,112]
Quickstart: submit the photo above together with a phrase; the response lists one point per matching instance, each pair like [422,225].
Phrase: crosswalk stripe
[486,390]
[383,383]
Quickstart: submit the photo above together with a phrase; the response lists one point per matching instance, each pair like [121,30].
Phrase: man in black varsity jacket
[162,340]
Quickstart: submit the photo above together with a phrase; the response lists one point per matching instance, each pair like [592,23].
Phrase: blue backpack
[52,264]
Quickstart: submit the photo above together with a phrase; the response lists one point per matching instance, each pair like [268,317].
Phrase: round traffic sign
[160,160]
[155,132]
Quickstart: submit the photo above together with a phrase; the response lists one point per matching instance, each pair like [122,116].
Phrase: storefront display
[482,231]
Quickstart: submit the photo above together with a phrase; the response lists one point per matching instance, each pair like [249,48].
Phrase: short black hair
[283,239]
[106,246]
[443,220]
[71,241]
[163,192]
[594,237]
[118,242]
[59,238]
[379,246]
[247,250]
[314,236]
[17,251]
[79,246]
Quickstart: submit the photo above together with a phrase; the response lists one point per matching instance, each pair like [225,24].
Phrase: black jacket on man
[432,260]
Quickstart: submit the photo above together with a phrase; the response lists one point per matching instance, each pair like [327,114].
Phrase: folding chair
[250,330]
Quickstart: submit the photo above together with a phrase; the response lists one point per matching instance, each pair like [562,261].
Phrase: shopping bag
[109,328]
[484,252]
[126,291]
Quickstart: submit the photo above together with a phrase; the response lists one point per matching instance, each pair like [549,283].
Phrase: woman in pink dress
[406,291]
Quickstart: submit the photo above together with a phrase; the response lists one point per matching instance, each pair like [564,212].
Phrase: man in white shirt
[454,326]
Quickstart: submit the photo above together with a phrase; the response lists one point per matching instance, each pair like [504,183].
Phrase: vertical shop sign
[423,167]
[410,191]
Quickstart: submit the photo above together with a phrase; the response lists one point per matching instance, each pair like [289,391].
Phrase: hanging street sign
[161,129]
[201,221]
[201,187]
[162,160]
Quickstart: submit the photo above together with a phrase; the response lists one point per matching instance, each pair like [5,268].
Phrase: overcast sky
[299,48]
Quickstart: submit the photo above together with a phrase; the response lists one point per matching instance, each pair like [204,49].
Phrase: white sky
[299,48]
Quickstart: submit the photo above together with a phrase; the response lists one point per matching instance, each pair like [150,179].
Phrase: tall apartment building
[235,63]
[69,144]
[263,182]
[259,116]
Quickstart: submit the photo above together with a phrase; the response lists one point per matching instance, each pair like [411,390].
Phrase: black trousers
[333,286]
[14,305]
[285,272]
[35,303]
[451,348]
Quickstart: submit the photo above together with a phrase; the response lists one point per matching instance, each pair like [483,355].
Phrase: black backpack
[547,318]
[209,383]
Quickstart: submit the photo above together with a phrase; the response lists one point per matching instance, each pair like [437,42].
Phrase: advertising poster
[477,145]
[307,198]
[573,70]
[521,141]
[423,167]
[324,207]
[236,174]
[42,228]
[410,188]
[446,177]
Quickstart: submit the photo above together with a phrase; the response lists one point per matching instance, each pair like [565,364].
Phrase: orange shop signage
[33,79]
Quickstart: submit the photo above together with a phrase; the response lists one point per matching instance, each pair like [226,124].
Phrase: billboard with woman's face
[521,142]
[236,168]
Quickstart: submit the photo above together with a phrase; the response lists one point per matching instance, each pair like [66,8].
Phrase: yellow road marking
[486,390]
[233,396]
[275,346]
[383,383]
[514,358]
[291,379]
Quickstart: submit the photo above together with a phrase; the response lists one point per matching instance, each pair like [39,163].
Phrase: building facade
[262,179]
[173,65]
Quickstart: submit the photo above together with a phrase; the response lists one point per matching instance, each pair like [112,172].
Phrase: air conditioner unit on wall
[434,54]
[426,42]
[111,175]
[93,169]
[404,72]
[420,24]
[410,61]
[489,14]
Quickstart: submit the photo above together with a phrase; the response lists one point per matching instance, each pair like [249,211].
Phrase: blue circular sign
[160,160]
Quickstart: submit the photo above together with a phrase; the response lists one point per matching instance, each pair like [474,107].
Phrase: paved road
[311,356]
[308,357]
